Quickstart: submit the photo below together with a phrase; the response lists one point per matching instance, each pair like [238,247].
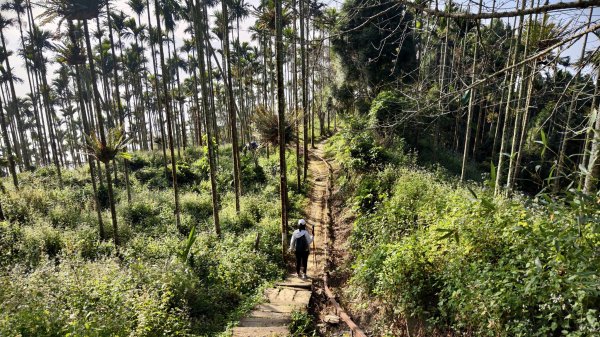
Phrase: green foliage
[252,174]
[57,278]
[198,207]
[486,265]
[385,114]
[153,177]
[466,262]
[376,63]
[301,325]
[141,214]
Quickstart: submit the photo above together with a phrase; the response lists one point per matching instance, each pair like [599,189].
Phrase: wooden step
[267,314]
[265,321]
[286,309]
[295,282]
[260,332]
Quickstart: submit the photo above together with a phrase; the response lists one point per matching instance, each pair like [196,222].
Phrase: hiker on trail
[300,244]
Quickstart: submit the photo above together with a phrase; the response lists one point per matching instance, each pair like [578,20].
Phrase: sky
[573,18]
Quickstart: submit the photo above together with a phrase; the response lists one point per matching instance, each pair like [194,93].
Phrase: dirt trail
[272,318]
[316,212]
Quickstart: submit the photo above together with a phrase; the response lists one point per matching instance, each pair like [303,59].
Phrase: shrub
[52,242]
[386,111]
[38,200]
[475,263]
[10,236]
[141,214]
[252,174]
[153,177]
[201,168]
[364,153]
[137,161]
[185,176]
[88,298]
[65,217]
[15,208]
[199,207]
[301,325]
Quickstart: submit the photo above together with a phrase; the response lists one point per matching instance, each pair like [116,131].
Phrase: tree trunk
[513,167]
[200,43]
[295,93]
[98,108]
[167,97]
[24,153]
[232,108]
[304,75]
[470,108]
[86,130]
[9,153]
[281,118]
[499,169]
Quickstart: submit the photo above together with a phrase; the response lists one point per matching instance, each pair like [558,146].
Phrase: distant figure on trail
[300,245]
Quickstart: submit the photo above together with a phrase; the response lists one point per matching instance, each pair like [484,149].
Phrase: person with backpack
[300,245]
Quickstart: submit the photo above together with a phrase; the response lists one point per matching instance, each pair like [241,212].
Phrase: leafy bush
[141,214]
[251,174]
[59,278]
[483,265]
[153,177]
[93,298]
[201,168]
[65,217]
[197,206]
[15,208]
[364,153]
[385,113]
[10,236]
[301,325]
[52,242]
[185,176]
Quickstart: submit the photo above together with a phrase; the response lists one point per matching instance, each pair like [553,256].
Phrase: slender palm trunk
[571,111]
[281,118]
[158,100]
[24,153]
[512,167]
[200,43]
[86,129]
[100,127]
[304,76]
[9,154]
[232,108]
[51,126]
[167,98]
[593,165]
[295,92]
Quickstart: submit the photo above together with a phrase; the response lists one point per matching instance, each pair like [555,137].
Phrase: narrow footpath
[271,318]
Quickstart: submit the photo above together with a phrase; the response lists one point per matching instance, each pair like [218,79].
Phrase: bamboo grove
[103,78]
[510,87]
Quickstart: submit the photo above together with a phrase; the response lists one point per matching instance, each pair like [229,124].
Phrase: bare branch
[580,4]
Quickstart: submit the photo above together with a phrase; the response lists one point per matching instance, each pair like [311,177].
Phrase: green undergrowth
[58,279]
[457,258]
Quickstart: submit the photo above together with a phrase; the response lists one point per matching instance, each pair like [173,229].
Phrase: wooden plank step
[260,332]
[270,307]
[267,314]
[281,295]
[265,321]
[303,297]
[295,282]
